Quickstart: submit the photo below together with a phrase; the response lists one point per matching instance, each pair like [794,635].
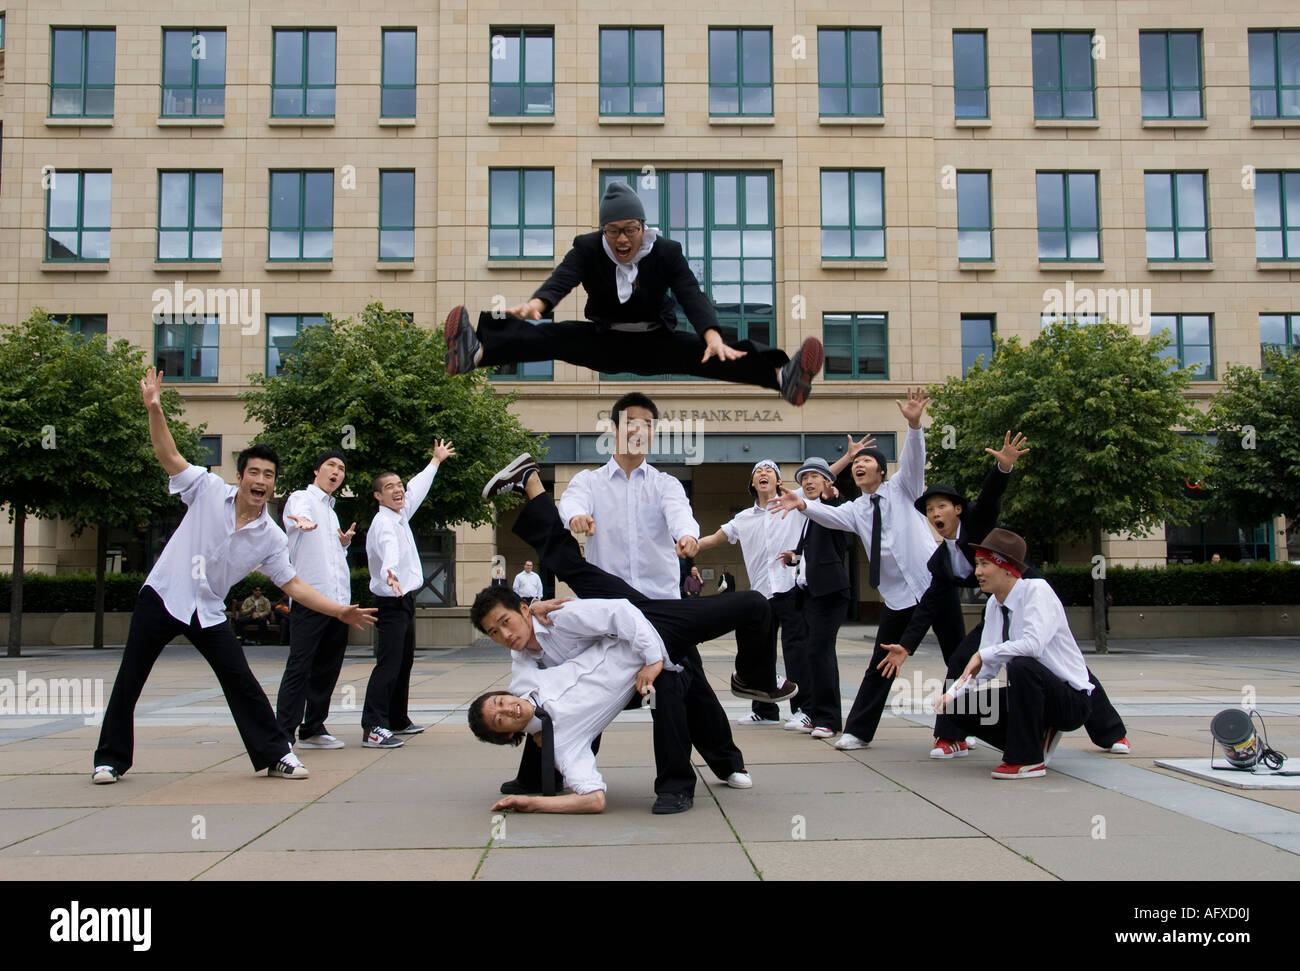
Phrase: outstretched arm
[591,802]
[164,446]
[311,598]
[716,539]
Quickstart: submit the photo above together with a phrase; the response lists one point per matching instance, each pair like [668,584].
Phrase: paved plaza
[192,809]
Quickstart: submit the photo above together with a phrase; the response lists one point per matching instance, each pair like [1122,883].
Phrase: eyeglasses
[614,232]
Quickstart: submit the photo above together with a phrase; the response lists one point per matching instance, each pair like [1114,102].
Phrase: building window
[281,331]
[189,216]
[1274,73]
[974,216]
[1177,224]
[853,214]
[848,73]
[857,346]
[523,71]
[526,370]
[1191,342]
[210,451]
[970,74]
[397,215]
[1279,332]
[194,74]
[1277,215]
[81,72]
[740,72]
[77,216]
[1064,85]
[631,71]
[1069,224]
[1171,73]
[186,351]
[1075,320]
[302,76]
[397,75]
[302,216]
[521,214]
[89,325]
[976,339]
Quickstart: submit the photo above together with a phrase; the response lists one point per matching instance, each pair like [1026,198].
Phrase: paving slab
[893,859]
[17,825]
[1215,856]
[155,829]
[381,866]
[44,791]
[108,866]
[381,826]
[698,861]
[757,817]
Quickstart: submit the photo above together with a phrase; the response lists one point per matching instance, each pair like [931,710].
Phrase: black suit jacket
[942,595]
[824,551]
[664,268]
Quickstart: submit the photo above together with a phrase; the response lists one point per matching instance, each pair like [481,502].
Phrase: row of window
[631,72]
[733,209]
[857,344]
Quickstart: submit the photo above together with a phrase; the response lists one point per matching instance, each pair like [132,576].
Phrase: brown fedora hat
[1005,544]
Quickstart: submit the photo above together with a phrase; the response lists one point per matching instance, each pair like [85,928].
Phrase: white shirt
[906,543]
[762,537]
[1038,629]
[206,556]
[584,675]
[961,567]
[318,556]
[390,544]
[528,584]
[639,518]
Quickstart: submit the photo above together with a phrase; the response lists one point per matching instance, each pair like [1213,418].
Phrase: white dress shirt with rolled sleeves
[762,537]
[1038,629]
[207,555]
[528,584]
[390,544]
[907,543]
[318,556]
[639,519]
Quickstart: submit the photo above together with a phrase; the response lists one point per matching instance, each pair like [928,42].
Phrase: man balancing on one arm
[225,535]
[627,271]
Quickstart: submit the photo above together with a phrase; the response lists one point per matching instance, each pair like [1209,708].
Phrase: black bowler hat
[940,489]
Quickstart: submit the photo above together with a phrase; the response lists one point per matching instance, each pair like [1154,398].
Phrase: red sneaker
[1005,771]
[946,748]
[1121,747]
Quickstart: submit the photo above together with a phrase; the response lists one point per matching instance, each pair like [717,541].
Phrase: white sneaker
[753,718]
[972,741]
[289,767]
[320,741]
[822,732]
[848,743]
[104,775]
[799,722]
[1121,747]
[740,780]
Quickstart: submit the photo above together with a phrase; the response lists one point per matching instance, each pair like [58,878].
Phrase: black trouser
[1013,718]
[151,628]
[390,681]
[787,615]
[253,625]
[316,647]
[869,704]
[511,340]
[823,615]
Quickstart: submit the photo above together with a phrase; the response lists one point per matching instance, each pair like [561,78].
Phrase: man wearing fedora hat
[627,271]
[1048,686]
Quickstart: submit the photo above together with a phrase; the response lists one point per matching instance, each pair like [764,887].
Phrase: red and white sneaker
[1121,747]
[1051,739]
[946,748]
[1005,771]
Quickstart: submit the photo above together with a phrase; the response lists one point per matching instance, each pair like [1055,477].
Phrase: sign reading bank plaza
[719,415]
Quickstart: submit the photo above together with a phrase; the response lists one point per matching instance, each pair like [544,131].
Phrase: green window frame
[396,73]
[1060,91]
[75,235]
[1274,73]
[1167,89]
[857,346]
[290,237]
[187,216]
[1278,332]
[1191,344]
[282,331]
[307,90]
[853,214]
[1277,215]
[849,82]
[632,71]
[1177,217]
[970,74]
[90,54]
[193,87]
[743,86]
[88,326]
[526,370]
[1078,233]
[522,75]
[977,334]
[521,214]
[187,350]
[396,216]
[974,217]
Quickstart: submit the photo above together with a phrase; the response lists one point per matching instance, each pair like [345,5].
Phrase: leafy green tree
[1101,409]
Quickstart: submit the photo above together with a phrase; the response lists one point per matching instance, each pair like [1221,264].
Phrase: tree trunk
[1098,594]
[101,554]
[16,589]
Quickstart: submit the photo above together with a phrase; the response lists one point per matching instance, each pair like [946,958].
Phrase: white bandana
[625,273]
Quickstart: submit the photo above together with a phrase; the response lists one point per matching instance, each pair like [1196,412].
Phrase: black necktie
[1006,622]
[548,752]
[874,575]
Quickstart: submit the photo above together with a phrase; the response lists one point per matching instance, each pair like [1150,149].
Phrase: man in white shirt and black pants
[225,535]
[528,585]
[318,547]
[395,577]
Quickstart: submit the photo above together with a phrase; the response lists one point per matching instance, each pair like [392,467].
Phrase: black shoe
[786,689]
[797,375]
[513,787]
[512,477]
[668,803]
[462,342]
